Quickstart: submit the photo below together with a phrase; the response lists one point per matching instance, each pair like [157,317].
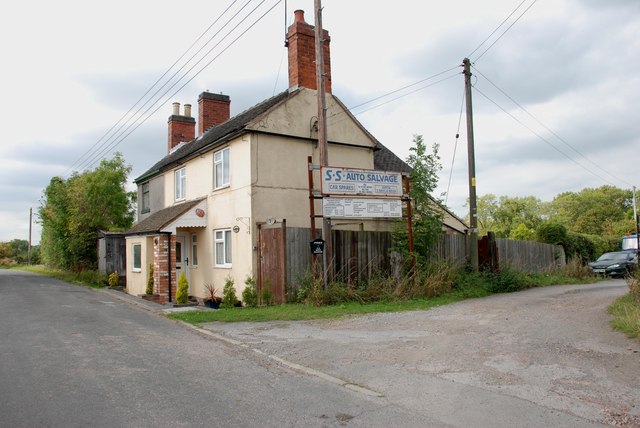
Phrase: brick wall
[161,272]
[302,54]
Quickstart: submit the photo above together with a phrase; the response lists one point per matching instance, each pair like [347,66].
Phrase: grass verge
[626,312]
[300,311]
[85,278]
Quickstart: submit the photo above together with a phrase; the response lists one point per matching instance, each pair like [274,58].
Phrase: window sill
[222,266]
[145,210]
[134,270]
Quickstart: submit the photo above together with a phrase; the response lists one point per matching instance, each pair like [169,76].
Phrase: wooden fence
[529,256]
[359,254]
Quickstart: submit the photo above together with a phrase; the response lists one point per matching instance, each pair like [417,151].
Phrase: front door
[182,256]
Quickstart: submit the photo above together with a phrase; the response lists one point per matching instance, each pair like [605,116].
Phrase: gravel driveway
[542,356]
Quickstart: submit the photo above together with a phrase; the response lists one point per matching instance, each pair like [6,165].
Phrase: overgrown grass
[437,286]
[626,309]
[88,278]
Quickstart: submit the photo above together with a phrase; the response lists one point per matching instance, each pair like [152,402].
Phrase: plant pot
[213,304]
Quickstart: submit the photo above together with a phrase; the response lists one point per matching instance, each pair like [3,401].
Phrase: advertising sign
[361,208]
[360,182]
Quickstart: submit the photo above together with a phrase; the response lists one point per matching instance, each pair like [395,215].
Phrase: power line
[496,29]
[505,31]
[562,140]
[541,137]
[138,122]
[455,148]
[77,162]
[106,148]
[350,109]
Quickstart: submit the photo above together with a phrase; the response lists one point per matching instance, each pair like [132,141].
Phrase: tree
[605,211]
[72,212]
[510,217]
[427,218]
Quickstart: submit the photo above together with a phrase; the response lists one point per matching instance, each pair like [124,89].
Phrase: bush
[113,280]
[150,283]
[182,294]
[265,297]
[250,294]
[229,298]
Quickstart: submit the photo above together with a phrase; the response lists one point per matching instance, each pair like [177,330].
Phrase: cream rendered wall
[137,281]
[295,117]
[229,207]
[199,177]
[280,173]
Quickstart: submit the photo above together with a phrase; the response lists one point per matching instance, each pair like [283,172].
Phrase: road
[71,356]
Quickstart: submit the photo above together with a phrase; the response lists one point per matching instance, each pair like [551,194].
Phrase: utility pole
[635,219]
[323,145]
[30,223]
[473,208]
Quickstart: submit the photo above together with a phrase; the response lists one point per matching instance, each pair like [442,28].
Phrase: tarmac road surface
[505,360]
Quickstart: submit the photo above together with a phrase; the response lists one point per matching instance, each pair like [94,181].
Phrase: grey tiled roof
[385,160]
[156,221]
[217,134]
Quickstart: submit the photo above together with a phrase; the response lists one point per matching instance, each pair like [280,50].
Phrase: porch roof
[162,220]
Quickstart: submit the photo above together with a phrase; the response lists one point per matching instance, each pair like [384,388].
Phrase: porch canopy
[167,220]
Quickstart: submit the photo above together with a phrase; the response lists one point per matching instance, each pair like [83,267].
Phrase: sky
[555,85]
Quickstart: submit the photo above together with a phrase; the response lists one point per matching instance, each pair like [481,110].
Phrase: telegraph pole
[323,145]
[30,223]
[635,219]
[473,209]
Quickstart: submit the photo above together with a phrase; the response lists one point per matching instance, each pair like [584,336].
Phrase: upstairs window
[145,207]
[221,169]
[181,184]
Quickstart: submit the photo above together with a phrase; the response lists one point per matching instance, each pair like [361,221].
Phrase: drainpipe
[169,263]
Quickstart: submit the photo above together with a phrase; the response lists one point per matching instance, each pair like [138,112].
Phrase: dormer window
[181,184]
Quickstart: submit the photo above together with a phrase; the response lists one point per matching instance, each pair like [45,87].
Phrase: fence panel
[529,256]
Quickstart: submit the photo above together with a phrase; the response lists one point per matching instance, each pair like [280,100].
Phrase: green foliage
[150,281]
[250,294]
[114,279]
[626,313]
[427,217]
[182,294]
[509,217]
[72,212]
[265,296]
[229,298]
[605,211]
[575,245]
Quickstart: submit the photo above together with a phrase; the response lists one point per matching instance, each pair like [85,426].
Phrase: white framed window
[221,168]
[194,250]
[181,183]
[222,242]
[136,250]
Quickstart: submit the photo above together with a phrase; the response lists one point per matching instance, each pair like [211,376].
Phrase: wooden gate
[272,260]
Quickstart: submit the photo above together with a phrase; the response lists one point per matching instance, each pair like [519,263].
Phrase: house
[209,207]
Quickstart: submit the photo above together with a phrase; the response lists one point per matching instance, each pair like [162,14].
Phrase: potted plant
[213,301]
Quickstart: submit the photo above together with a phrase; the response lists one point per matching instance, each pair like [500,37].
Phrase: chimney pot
[176,109]
[187,110]
[299,15]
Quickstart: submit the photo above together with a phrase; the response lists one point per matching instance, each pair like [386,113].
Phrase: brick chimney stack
[213,109]
[302,54]
[182,128]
